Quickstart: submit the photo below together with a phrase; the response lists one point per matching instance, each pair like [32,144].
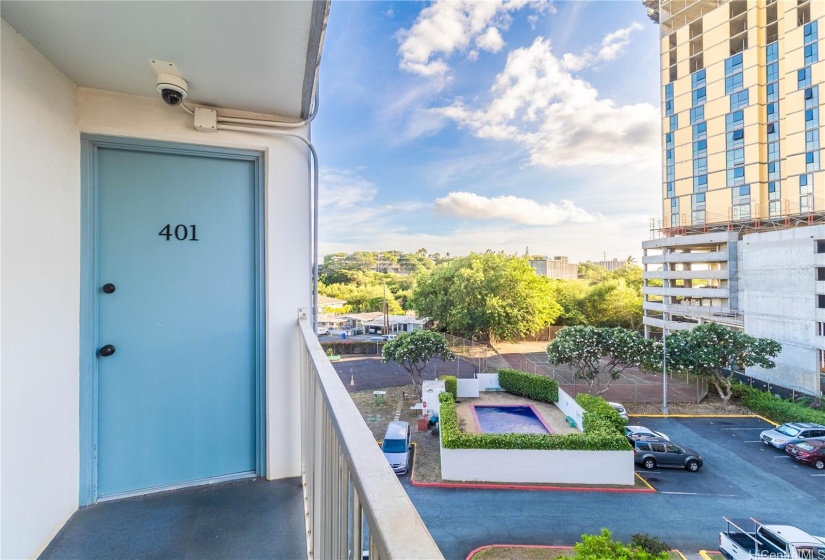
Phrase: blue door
[176,300]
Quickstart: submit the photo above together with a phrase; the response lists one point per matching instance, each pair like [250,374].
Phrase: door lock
[106,351]
[108,288]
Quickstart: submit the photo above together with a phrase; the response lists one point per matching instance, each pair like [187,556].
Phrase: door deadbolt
[106,351]
[108,288]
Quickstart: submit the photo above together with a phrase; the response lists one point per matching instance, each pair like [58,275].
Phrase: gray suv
[657,452]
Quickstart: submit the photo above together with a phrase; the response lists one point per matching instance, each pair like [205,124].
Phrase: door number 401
[181,232]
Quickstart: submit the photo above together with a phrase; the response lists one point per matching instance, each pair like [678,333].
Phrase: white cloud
[515,209]
[540,104]
[449,26]
[611,47]
[491,40]
[342,189]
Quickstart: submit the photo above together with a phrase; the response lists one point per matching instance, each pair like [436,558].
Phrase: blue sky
[464,126]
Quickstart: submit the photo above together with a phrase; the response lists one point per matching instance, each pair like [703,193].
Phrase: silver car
[635,432]
[792,432]
[396,446]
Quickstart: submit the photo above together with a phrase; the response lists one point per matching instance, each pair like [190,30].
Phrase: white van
[396,446]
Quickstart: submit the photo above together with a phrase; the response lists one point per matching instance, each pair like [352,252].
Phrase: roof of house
[326,300]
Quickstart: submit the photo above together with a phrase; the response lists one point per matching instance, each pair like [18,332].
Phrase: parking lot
[737,463]
[741,478]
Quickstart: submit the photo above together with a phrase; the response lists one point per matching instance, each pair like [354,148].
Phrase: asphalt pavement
[740,479]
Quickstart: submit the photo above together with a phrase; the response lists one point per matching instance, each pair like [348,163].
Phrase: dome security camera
[172,88]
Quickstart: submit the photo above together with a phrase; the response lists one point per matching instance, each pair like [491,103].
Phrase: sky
[462,126]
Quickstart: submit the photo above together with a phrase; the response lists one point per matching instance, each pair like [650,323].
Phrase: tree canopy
[599,355]
[491,295]
[414,350]
[713,351]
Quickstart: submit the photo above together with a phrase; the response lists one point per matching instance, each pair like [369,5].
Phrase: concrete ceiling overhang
[256,56]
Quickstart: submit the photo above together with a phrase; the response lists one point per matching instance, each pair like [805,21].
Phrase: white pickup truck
[769,541]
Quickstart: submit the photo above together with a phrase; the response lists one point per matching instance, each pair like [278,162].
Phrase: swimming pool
[509,419]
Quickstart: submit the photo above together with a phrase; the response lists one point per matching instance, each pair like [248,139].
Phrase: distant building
[611,265]
[557,267]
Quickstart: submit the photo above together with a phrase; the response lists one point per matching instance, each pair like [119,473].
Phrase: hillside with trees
[482,294]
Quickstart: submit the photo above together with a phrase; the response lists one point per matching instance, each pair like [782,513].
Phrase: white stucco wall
[40,238]
[43,115]
[467,388]
[531,465]
[778,273]
[571,408]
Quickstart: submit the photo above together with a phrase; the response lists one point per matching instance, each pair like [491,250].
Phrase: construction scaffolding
[661,228]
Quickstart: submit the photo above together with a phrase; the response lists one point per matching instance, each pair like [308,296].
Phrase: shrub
[603,547]
[450,384]
[778,410]
[453,438]
[346,347]
[536,387]
[599,415]
[648,543]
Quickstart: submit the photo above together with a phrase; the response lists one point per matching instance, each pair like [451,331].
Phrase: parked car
[657,452]
[792,432]
[619,408]
[636,432]
[321,331]
[810,452]
[396,445]
[381,338]
[769,541]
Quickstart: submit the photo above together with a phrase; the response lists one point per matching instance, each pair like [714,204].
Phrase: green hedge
[778,410]
[599,415]
[450,384]
[345,347]
[597,439]
[536,387]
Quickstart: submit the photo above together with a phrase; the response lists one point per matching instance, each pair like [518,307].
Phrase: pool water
[512,419]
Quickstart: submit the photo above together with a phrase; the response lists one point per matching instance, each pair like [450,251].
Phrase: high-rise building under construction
[743,186]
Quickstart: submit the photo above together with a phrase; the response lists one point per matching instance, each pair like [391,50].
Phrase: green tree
[490,295]
[603,547]
[593,272]
[713,351]
[613,303]
[413,350]
[595,353]
[571,295]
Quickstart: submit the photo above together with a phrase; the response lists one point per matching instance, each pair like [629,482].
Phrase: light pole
[665,315]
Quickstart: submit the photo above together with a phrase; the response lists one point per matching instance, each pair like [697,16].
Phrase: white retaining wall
[571,408]
[467,388]
[486,380]
[531,465]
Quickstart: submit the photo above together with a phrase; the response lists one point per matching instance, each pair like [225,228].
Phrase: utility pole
[385,309]
[665,316]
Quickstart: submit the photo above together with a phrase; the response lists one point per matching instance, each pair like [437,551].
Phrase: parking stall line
[753,441]
[699,494]
[737,429]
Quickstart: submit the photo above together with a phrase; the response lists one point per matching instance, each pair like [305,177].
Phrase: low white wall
[486,380]
[467,388]
[530,465]
[571,408]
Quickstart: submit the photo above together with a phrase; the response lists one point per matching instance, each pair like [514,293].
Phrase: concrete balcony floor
[244,519]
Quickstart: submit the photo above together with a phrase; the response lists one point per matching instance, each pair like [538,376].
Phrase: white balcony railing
[348,484]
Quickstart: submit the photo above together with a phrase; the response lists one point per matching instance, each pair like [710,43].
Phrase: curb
[543,546]
[706,554]
[489,546]
[768,420]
